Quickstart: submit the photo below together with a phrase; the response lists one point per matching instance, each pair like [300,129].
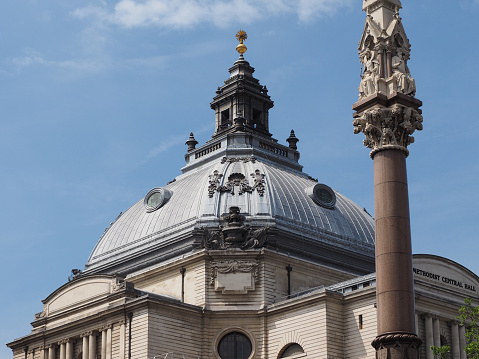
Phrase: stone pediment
[445,274]
[80,292]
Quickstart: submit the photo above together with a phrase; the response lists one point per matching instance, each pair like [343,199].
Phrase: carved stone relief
[384,54]
[390,127]
[234,276]
[251,159]
[236,183]
[235,234]
[213,183]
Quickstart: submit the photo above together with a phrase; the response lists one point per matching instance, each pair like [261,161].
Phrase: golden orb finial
[241,36]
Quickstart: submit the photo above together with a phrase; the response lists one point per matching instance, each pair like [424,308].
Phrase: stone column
[69,349]
[103,343]
[395,293]
[108,342]
[380,51]
[437,331]
[122,339]
[388,119]
[92,346]
[51,351]
[417,324]
[429,336]
[85,345]
[462,341]
[389,65]
[456,350]
[62,349]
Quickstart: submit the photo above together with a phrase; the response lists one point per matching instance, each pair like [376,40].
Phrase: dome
[241,169]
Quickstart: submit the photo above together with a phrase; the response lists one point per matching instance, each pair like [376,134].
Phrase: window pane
[235,345]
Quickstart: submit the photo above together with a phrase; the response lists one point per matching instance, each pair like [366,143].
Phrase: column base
[397,346]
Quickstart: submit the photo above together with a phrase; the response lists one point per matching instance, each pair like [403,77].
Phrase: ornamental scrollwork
[258,182]
[233,266]
[214,181]
[388,128]
[236,183]
[251,159]
[235,234]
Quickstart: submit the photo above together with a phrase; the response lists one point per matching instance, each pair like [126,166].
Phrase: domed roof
[243,167]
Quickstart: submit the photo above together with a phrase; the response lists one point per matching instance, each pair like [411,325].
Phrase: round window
[235,345]
[322,195]
[156,198]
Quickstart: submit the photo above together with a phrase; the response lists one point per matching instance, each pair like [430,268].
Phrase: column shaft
[417,323]
[389,66]
[108,343]
[122,340]
[456,350]
[429,337]
[437,332]
[69,349]
[394,288]
[92,346]
[103,344]
[62,351]
[51,352]
[462,341]
[85,347]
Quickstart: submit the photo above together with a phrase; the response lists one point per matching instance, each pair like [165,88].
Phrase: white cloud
[187,13]
[33,58]
[165,145]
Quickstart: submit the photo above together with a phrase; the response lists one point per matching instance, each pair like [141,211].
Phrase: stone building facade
[244,255]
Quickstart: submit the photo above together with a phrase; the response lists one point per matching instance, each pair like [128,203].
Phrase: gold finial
[241,36]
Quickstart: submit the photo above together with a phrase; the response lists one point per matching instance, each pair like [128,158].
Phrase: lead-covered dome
[241,190]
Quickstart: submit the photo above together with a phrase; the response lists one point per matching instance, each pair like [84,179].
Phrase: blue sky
[98,97]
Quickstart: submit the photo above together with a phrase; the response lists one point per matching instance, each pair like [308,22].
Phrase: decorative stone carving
[238,159]
[397,346]
[388,128]
[235,234]
[256,238]
[234,276]
[42,314]
[236,180]
[86,334]
[213,239]
[118,284]
[233,266]
[370,76]
[214,183]
[404,82]
[258,182]
[383,52]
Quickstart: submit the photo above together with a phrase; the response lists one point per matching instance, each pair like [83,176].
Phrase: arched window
[293,351]
[235,345]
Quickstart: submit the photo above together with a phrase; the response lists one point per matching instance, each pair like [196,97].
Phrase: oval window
[235,345]
[322,195]
[156,198]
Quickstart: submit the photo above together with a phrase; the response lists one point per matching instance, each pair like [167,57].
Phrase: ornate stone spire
[387,111]
[242,103]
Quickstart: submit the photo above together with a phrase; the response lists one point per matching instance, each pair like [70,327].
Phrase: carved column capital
[63,341]
[86,334]
[105,327]
[388,127]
